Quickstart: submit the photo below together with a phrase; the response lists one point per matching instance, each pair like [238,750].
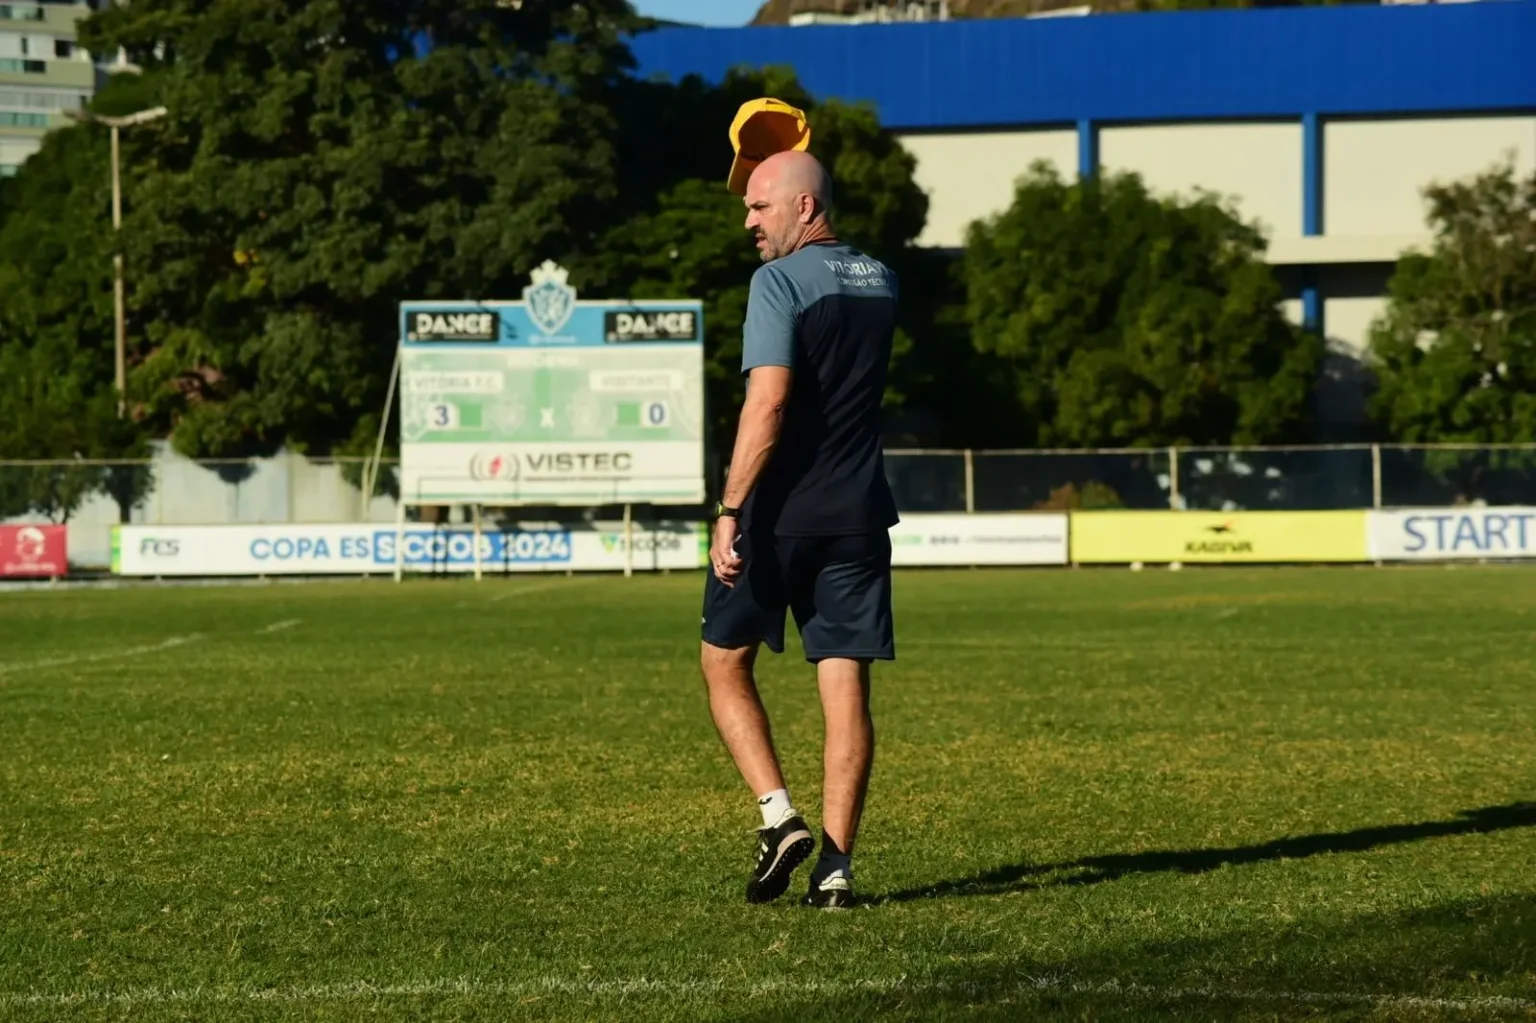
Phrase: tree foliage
[1455,352]
[318,166]
[1124,319]
[57,399]
[322,162]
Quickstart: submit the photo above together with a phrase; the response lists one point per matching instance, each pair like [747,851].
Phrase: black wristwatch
[722,511]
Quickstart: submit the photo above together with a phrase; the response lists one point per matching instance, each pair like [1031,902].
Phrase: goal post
[549,401]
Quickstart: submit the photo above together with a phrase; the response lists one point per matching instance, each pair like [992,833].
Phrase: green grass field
[1219,794]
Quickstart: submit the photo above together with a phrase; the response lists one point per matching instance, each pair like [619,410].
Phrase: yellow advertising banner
[1163,537]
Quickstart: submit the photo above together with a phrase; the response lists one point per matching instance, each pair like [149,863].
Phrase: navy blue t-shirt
[828,312]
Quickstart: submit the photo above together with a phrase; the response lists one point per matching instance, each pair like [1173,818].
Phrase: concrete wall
[970,175]
[1257,165]
[1374,171]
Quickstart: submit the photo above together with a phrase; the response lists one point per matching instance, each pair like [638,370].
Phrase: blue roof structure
[1178,66]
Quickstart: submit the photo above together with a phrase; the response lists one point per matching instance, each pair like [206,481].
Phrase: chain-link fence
[168,490]
[1218,479]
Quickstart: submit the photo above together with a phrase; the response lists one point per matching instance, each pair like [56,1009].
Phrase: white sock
[774,805]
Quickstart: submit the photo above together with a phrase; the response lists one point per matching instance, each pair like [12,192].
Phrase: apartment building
[43,72]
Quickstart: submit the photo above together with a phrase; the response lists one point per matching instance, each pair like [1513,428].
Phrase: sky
[700,12]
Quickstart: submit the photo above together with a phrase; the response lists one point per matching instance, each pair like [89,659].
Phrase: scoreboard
[552,400]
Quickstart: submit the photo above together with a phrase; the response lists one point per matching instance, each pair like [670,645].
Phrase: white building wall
[1347,320]
[971,175]
[1257,165]
[14,149]
[1375,171]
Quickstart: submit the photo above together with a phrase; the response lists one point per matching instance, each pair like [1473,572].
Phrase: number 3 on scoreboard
[657,413]
[443,415]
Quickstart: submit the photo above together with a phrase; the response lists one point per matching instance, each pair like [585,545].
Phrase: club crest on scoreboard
[550,299]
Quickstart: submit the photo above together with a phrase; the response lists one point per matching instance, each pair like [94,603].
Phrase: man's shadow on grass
[1097,869]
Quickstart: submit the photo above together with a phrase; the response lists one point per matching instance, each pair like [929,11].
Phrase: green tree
[57,399]
[315,169]
[1118,318]
[1454,354]
[51,408]
[682,234]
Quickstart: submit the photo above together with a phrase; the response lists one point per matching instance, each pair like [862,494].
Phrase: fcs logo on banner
[454,325]
[549,299]
[488,465]
[154,547]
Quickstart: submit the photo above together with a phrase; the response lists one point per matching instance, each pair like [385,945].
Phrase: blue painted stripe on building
[1312,306]
[1311,174]
[1087,148]
[1142,67]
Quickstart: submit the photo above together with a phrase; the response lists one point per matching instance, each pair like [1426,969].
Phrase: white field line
[359,991]
[533,588]
[105,655]
[279,626]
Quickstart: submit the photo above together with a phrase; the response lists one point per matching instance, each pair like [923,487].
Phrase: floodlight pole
[120,369]
[120,348]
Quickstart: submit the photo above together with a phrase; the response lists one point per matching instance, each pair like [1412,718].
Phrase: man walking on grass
[803,523]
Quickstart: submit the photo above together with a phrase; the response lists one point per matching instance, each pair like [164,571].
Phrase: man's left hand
[722,551]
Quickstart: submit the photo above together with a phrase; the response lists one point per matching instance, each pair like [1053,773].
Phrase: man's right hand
[722,550]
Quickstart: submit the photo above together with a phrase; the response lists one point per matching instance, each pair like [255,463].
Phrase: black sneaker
[781,848]
[836,892]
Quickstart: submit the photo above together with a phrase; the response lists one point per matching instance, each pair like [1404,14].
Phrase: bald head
[789,198]
[793,173]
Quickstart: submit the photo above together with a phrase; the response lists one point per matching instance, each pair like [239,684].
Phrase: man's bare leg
[739,715]
[734,703]
[848,757]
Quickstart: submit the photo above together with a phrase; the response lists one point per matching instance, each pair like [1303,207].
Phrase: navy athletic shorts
[839,588]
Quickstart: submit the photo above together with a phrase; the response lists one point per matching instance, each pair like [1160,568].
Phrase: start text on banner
[1443,534]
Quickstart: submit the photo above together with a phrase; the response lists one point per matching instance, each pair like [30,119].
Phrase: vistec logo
[580,464]
[453,326]
[651,325]
[487,466]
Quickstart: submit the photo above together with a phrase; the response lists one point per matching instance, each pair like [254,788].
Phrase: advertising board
[1020,539]
[552,400]
[1193,537]
[369,548]
[34,551]
[1450,534]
